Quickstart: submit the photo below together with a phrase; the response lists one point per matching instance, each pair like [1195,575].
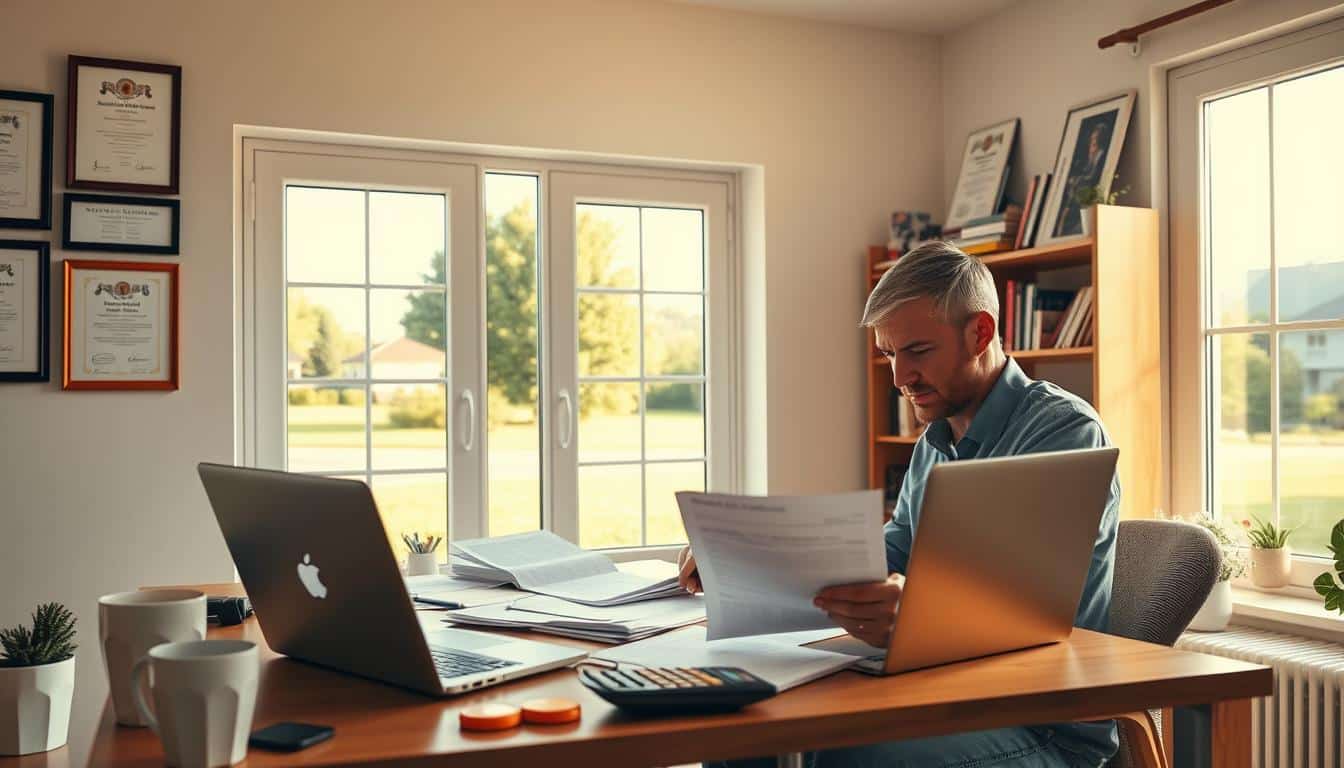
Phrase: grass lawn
[330,438]
[1311,483]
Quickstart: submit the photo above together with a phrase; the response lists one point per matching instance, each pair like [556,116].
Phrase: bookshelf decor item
[984,171]
[1089,151]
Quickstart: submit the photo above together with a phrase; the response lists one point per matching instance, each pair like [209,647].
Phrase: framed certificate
[984,171]
[25,312]
[126,224]
[25,160]
[124,126]
[120,325]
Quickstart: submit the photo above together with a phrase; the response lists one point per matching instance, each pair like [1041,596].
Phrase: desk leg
[795,759]
[1231,736]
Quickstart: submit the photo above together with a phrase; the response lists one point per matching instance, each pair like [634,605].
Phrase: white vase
[35,707]
[1088,217]
[422,563]
[1216,611]
[1271,567]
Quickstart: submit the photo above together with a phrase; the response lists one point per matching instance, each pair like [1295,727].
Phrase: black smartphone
[289,737]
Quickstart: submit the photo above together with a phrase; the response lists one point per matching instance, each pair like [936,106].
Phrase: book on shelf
[1047,311]
[1076,318]
[1033,218]
[1037,318]
[894,411]
[1026,206]
[995,245]
[1005,333]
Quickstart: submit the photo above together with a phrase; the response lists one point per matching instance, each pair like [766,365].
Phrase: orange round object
[489,717]
[551,711]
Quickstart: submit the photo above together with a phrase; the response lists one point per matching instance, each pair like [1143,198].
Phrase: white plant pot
[1088,218]
[1271,567]
[422,564]
[1216,611]
[35,707]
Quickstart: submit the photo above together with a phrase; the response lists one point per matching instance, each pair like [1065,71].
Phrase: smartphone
[290,737]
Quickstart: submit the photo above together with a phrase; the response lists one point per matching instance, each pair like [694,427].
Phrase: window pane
[1311,436]
[607,249]
[409,426]
[409,329]
[608,334]
[674,419]
[412,504]
[325,332]
[673,334]
[1241,437]
[674,249]
[325,428]
[1308,198]
[1237,147]
[609,422]
[406,238]
[662,481]
[324,235]
[513,459]
[609,506]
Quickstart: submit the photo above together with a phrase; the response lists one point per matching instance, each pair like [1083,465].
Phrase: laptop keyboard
[454,663]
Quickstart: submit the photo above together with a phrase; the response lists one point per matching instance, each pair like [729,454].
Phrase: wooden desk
[1091,676]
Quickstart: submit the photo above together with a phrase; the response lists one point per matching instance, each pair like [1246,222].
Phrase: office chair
[1163,572]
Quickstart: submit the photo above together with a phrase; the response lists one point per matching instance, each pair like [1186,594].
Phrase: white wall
[99,489]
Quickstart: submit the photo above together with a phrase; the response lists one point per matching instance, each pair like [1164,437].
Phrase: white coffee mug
[204,694]
[130,623]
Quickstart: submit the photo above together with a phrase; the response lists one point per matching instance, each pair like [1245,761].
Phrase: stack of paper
[434,591]
[607,624]
[544,563]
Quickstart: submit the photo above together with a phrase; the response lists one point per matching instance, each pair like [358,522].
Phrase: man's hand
[688,577]
[866,611]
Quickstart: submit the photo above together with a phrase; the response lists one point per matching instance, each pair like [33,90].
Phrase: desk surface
[1090,676]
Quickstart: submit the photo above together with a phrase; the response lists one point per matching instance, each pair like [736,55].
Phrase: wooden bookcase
[1120,373]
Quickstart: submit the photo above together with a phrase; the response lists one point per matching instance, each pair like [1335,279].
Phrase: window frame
[1189,88]
[467,520]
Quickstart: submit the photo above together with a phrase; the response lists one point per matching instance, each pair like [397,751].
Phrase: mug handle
[139,684]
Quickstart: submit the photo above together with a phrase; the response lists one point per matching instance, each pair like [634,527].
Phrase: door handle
[566,425]
[469,439]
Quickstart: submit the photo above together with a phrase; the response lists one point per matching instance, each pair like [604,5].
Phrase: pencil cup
[422,563]
[130,623]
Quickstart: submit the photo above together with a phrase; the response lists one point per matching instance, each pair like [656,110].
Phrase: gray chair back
[1164,570]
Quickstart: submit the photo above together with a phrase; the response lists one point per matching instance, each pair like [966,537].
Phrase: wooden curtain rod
[1131,34]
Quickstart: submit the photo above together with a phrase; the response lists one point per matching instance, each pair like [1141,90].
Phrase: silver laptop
[326,588]
[999,560]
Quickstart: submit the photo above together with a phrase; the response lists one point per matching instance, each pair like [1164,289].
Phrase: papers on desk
[606,624]
[544,563]
[777,658]
[433,591]
[763,559]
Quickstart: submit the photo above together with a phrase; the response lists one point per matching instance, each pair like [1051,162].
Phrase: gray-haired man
[935,316]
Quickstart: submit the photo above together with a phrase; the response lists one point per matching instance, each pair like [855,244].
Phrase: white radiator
[1302,724]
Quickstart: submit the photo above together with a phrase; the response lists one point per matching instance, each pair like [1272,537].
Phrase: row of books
[1037,318]
[1034,205]
[989,234]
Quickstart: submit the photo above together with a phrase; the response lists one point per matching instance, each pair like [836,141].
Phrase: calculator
[676,690]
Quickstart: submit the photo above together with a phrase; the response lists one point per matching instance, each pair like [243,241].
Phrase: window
[493,345]
[1260,267]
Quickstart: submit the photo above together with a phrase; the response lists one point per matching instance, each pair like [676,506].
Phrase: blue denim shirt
[1020,416]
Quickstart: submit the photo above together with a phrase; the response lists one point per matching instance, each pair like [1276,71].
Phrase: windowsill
[1286,612]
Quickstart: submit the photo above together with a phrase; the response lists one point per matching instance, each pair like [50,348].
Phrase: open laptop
[326,588]
[999,559]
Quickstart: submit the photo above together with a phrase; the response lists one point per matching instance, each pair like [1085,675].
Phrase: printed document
[763,559]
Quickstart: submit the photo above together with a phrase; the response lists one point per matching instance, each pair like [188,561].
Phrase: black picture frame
[43,220]
[72,125]
[43,372]
[69,244]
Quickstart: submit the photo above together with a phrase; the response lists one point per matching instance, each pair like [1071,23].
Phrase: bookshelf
[1119,373]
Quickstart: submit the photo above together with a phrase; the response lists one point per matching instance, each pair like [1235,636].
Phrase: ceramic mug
[130,623]
[204,694]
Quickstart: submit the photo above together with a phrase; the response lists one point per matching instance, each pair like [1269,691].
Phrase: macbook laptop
[326,588]
[999,559]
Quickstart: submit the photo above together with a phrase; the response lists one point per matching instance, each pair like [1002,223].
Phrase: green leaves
[50,640]
[1266,535]
[1325,583]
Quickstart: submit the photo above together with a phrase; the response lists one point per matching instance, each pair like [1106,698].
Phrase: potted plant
[1217,609]
[1325,584]
[1271,557]
[37,682]
[1088,198]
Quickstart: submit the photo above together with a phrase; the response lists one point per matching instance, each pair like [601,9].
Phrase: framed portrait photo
[984,172]
[124,121]
[1089,152]
[25,160]
[120,325]
[116,223]
[25,310]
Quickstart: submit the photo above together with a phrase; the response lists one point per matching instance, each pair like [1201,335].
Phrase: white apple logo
[308,575]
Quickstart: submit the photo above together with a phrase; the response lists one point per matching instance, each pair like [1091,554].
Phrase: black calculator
[676,690]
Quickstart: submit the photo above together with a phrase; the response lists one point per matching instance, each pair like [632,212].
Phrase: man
[935,316]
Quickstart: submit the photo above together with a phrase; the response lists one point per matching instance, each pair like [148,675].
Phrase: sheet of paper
[763,559]
[669,609]
[443,583]
[537,559]
[783,664]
